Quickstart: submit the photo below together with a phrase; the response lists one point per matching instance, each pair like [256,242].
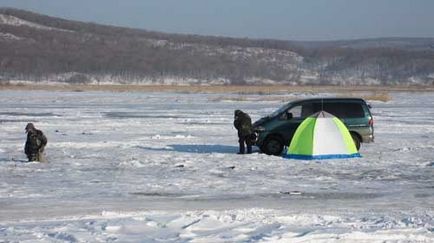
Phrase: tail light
[371,122]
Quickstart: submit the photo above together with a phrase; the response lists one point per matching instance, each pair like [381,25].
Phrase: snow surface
[152,167]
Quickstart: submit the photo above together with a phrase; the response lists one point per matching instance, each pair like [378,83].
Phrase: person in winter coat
[243,124]
[35,143]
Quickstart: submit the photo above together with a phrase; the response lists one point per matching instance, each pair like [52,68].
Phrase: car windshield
[280,110]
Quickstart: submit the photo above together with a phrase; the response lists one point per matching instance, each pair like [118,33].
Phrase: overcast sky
[275,19]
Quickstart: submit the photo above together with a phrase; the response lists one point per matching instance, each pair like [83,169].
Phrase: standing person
[243,124]
[35,143]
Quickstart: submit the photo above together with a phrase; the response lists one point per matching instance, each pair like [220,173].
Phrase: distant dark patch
[224,197]
[344,195]
[423,195]
[323,195]
[156,194]
[292,192]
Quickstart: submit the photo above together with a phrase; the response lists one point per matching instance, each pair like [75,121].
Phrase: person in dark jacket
[243,124]
[35,143]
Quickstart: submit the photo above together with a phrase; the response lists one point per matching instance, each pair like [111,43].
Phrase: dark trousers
[245,140]
[32,157]
[37,155]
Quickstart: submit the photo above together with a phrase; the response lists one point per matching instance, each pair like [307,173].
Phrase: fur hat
[29,127]
[237,112]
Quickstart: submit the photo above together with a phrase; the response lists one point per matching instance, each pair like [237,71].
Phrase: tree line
[91,49]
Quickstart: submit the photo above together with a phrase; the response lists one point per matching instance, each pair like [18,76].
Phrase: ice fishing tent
[322,136]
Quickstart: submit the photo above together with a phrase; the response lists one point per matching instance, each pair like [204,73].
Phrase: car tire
[356,140]
[272,146]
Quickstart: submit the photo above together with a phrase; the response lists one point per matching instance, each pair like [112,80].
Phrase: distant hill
[41,48]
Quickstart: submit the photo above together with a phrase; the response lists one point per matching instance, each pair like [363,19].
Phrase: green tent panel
[322,136]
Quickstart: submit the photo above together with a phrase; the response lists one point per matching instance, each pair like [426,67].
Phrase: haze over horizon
[277,19]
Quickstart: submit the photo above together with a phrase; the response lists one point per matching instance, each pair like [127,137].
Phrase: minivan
[275,131]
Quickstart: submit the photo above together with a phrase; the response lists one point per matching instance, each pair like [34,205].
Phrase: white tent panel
[327,138]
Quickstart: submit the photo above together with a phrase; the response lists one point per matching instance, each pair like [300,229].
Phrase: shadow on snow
[196,148]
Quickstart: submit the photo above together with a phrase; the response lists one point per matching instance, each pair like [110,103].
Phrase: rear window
[345,110]
[339,109]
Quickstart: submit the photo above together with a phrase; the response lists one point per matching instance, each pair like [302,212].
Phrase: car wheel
[272,146]
[356,140]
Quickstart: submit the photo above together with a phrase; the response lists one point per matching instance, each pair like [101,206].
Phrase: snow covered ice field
[162,167]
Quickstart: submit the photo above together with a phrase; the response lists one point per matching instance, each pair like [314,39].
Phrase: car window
[354,110]
[304,110]
[345,110]
[339,109]
[310,109]
[280,110]
[296,111]
[336,109]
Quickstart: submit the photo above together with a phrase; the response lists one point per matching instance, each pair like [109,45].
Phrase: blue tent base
[325,156]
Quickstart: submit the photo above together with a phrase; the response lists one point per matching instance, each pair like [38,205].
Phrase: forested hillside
[35,47]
